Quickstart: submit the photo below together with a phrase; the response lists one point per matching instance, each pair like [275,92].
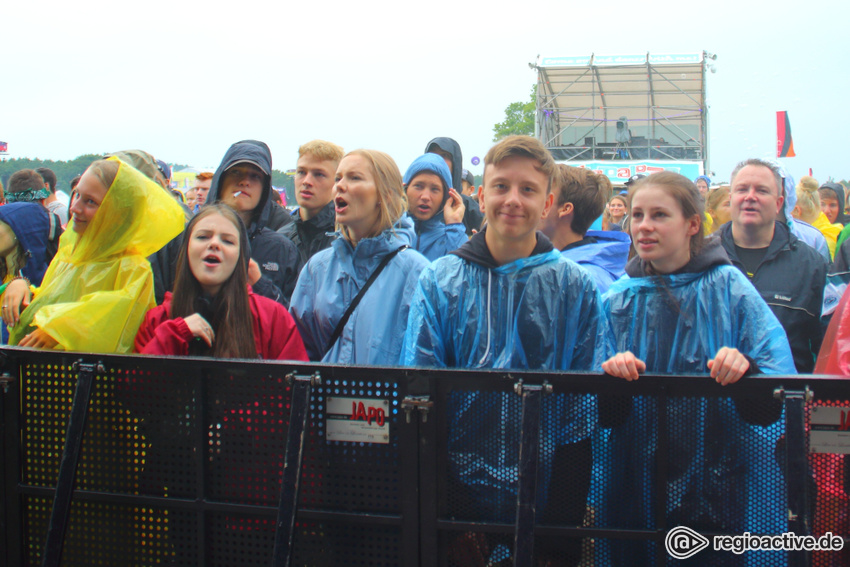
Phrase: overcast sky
[184,80]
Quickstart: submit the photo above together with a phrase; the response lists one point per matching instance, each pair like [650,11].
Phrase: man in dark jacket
[313,226]
[449,150]
[789,274]
[243,181]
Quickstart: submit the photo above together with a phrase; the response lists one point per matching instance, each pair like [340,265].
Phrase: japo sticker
[357,420]
[829,430]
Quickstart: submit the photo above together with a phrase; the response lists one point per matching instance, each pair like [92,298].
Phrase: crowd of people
[376,267]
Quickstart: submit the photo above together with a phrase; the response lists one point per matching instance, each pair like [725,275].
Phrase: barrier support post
[529,452]
[10,471]
[301,388]
[797,469]
[61,513]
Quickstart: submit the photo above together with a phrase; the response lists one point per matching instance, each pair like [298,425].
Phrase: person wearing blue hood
[683,309]
[579,200]
[243,181]
[449,150]
[508,299]
[436,208]
[352,299]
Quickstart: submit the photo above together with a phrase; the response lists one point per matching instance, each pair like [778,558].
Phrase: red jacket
[275,334]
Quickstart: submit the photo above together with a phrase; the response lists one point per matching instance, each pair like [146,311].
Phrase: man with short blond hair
[315,171]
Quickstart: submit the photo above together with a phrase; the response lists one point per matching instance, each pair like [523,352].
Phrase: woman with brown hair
[682,308]
[213,303]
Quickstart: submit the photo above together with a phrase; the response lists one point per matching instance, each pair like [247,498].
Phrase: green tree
[519,118]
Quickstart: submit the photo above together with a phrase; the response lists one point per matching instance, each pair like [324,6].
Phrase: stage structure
[625,114]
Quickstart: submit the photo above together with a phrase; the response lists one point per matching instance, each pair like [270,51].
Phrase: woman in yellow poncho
[98,287]
[808,209]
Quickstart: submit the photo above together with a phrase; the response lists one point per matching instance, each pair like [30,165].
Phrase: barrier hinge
[6,380]
[315,379]
[421,403]
[781,394]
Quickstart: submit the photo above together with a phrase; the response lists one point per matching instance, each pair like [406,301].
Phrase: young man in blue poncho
[579,200]
[436,208]
[508,299]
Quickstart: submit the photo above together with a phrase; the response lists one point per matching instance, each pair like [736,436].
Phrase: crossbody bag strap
[353,305]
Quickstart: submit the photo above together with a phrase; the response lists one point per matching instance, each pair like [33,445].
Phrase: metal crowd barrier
[131,460]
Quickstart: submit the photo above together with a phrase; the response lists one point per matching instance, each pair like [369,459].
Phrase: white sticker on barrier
[829,430]
[357,420]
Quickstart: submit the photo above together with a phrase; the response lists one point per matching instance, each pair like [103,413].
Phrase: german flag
[784,143]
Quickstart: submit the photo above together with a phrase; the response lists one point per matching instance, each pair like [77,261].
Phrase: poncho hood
[136,218]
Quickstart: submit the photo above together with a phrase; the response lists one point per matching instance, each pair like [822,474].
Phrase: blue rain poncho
[332,278]
[435,238]
[540,312]
[605,259]
[723,475]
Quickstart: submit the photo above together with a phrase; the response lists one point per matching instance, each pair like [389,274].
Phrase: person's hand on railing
[728,366]
[38,339]
[624,365]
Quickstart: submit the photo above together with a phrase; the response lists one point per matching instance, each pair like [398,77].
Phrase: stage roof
[661,96]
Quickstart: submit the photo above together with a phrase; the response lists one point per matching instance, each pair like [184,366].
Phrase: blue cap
[164,169]
[429,163]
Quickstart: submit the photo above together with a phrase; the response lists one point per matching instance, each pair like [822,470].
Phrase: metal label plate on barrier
[829,430]
[357,420]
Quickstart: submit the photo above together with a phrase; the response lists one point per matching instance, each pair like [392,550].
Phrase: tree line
[67,170]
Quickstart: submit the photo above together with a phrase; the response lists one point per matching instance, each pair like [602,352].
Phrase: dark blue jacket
[313,235]
[277,256]
[791,280]
[31,224]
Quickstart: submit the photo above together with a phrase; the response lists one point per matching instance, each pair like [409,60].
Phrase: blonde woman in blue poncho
[97,289]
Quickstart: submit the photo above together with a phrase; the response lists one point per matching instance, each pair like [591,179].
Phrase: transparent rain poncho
[99,286]
[723,472]
[537,313]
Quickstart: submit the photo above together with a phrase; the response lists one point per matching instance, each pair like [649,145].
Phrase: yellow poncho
[99,286]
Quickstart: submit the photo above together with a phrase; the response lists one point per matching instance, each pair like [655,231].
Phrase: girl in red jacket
[212,311]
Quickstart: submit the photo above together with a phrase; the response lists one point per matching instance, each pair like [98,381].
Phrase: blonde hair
[105,170]
[714,198]
[324,151]
[808,198]
[392,201]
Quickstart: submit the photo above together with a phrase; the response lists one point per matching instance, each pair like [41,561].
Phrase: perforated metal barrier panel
[830,474]
[182,459]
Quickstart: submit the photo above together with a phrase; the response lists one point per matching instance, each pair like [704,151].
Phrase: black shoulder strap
[341,325]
